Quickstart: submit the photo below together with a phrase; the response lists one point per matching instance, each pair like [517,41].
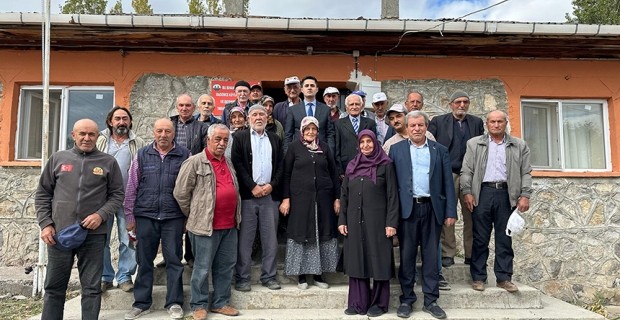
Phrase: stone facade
[570,250]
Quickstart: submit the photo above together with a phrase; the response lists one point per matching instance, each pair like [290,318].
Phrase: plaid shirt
[181,134]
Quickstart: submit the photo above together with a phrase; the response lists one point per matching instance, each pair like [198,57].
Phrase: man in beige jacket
[208,193]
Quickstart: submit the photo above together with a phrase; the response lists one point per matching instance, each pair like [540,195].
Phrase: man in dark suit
[427,202]
[258,159]
[453,130]
[309,106]
[346,132]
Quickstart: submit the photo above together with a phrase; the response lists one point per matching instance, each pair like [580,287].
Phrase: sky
[513,10]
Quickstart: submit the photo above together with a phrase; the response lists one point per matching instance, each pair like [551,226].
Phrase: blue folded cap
[70,237]
[359,93]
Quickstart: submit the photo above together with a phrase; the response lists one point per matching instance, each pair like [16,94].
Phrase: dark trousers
[493,210]
[148,233]
[362,298]
[421,228]
[189,253]
[90,267]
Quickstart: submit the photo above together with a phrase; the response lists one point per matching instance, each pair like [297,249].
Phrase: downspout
[39,274]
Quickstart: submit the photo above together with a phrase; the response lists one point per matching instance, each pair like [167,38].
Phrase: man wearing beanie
[258,159]
[242,91]
[453,130]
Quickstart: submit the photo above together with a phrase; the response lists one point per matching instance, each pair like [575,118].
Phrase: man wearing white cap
[331,96]
[292,90]
[379,103]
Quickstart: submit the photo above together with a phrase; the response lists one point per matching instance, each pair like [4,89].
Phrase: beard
[121,130]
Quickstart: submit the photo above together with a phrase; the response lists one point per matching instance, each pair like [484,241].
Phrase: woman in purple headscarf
[368,220]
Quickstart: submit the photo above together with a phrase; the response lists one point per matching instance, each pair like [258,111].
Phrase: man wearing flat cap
[242,92]
[256,94]
[453,130]
[258,159]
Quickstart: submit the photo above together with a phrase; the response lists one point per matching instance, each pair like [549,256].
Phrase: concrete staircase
[461,302]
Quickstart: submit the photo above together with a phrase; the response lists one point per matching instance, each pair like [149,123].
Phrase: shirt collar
[210,157]
[420,147]
[313,102]
[253,132]
[503,140]
[357,118]
[173,146]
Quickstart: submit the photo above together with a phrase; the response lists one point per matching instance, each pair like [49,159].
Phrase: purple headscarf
[363,165]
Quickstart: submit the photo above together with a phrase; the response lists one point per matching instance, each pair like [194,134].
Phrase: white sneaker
[136,313]
[175,312]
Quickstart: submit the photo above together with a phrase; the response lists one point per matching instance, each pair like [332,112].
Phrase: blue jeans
[217,253]
[126,257]
[90,266]
[148,233]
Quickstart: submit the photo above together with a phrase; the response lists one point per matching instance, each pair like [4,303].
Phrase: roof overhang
[270,35]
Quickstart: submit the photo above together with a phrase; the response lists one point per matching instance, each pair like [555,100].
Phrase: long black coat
[310,179]
[367,209]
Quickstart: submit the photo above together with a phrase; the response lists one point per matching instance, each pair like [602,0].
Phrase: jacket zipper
[77,204]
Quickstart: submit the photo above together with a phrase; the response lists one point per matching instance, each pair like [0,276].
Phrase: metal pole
[39,274]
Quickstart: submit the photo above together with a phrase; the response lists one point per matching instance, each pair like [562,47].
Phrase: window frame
[64,112]
[560,131]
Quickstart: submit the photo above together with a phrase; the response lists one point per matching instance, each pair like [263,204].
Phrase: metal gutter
[321,25]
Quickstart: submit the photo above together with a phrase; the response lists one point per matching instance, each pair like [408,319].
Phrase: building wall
[570,249]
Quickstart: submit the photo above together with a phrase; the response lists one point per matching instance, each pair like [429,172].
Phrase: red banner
[223,92]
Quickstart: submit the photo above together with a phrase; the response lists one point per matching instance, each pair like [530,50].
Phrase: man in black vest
[155,215]
[453,130]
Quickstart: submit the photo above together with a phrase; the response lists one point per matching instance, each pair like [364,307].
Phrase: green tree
[212,7]
[595,12]
[196,7]
[118,8]
[141,6]
[84,6]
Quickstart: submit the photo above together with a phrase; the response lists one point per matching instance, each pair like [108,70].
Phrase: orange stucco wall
[523,78]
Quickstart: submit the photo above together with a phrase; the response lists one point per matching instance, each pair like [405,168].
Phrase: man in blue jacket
[427,202]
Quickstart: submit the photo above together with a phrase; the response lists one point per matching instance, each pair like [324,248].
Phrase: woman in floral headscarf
[311,195]
[273,125]
[237,122]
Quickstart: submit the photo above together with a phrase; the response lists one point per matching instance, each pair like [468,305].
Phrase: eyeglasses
[466,102]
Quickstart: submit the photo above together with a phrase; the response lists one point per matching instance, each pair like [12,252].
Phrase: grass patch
[20,309]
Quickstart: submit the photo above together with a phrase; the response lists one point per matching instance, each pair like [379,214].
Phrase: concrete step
[457,273]
[290,297]
[552,309]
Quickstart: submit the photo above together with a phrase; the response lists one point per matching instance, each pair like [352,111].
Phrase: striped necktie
[355,126]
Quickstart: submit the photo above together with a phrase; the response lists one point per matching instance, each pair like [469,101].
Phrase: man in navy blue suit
[427,202]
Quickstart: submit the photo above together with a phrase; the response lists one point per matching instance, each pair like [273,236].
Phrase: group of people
[379,179]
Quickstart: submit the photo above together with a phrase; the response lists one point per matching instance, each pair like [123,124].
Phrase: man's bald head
[163,132]
[85,133]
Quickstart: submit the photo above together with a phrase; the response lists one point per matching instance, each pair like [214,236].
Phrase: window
[568,135]
[67,105]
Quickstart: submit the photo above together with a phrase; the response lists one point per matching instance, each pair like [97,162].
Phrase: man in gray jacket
[83,185]
[119,141]
[208,193]
[495,178]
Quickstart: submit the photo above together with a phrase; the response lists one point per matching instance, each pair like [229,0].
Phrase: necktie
[310,114]
[355,126]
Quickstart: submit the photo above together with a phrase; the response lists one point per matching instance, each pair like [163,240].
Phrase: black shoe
[161,264]
[443,284]
[375,311]
[447,262]
[434,310]
[350,311]
[272,284]
[404,310]
[244,286]
[467,260]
